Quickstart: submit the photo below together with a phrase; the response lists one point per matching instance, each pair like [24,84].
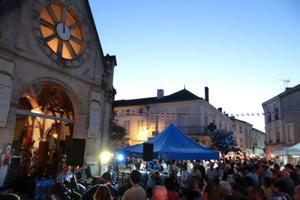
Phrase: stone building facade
[145,117]
[55,81]
[239,128]
[282,120]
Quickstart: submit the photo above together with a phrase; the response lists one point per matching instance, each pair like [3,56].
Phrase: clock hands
[64,28]
[61,32]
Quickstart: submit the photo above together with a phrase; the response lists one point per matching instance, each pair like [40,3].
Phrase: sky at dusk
[239,49]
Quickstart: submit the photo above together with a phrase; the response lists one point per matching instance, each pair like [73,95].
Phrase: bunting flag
[198,115]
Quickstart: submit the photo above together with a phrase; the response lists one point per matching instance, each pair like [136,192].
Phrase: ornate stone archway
[45,118]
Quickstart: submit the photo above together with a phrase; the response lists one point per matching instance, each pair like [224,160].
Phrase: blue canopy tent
[173,144]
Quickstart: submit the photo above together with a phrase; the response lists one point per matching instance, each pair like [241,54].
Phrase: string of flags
[197,115]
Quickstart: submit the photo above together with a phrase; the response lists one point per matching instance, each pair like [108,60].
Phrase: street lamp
[104,158]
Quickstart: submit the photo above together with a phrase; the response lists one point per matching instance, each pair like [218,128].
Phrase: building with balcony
[144,118]
[282,120]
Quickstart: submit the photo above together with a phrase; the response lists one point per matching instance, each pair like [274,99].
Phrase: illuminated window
[61,31]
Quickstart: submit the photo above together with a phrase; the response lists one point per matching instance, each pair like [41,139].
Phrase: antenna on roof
[285,83]
[183,86]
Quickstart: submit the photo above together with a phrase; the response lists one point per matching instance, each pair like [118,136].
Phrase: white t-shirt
[134,193]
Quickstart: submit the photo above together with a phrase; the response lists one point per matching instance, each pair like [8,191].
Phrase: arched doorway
[44,121]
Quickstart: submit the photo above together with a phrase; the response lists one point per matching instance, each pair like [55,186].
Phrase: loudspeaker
[147,151]
[43,153]
[75,151]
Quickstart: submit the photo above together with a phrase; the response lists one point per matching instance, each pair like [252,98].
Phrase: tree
[117,134]
[223,141]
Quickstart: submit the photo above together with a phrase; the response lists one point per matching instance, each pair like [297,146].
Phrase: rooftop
[288,90]
[182,95]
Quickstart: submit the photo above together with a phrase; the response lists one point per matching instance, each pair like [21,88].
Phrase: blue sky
[240,49]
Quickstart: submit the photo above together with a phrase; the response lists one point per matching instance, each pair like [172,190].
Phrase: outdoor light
[144,133]
[55,135]
[105,156]
[120,157]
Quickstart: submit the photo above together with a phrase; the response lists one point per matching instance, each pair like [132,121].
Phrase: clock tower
[56,86]
[61,33]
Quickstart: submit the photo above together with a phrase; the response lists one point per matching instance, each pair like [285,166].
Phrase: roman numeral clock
[61,32]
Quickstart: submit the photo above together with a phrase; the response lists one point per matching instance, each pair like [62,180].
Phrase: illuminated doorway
[45,118]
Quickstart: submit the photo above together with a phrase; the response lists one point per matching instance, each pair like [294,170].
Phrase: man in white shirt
[136,192]
[64,176]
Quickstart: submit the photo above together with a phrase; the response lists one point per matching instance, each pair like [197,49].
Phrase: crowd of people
[227,179]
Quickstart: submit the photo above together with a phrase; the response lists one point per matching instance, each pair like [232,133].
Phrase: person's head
[278,186]
[276,167]
[285,173]
[245,170]
[225,188]
[102,193]
[169,183]
[297,193]
[289,167]
[227,167]
[65,168]
[135,177]
[255,193]
[211,192]
[156,174]
[109,168]
[267,181]
[261,168]
[159,192]
[297,168]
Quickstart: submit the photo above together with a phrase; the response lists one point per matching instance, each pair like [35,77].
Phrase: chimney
[220,110]
[287,88]
[206,94]
[160,93]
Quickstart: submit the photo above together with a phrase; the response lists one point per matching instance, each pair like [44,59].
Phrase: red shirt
[173,195]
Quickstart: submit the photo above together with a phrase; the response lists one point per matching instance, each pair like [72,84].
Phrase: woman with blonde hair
[103,193]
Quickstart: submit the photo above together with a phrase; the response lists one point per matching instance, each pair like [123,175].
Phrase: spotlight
[105,157]
[120,157]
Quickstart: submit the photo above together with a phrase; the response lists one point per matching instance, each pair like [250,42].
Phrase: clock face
[60,33]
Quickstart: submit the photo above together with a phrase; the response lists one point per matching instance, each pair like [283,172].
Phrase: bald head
[297,193]
[159,193]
